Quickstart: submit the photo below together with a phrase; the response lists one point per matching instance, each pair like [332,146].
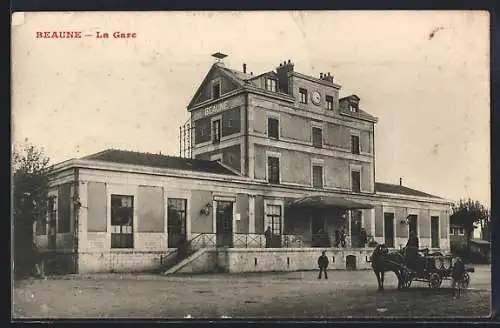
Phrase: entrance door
[176,223]
[434,231]
[224,224]
[318,230]
[355,228]
[389,229]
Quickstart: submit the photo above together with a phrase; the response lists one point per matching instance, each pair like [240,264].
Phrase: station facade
[280,149]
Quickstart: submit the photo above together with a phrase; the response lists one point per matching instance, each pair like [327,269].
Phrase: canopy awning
[328,201]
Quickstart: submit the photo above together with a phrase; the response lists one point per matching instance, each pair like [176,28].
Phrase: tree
[467,214]
[30,167]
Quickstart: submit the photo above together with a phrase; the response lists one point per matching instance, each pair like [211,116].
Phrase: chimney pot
[244,68]
[320,75]
[251,73]
[289,62]
[400,181]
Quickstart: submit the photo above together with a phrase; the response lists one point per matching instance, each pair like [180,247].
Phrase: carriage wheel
[435,281]
[465,280]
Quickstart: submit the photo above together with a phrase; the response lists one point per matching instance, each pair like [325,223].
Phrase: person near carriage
[412,257]
[457,276]
[323,264]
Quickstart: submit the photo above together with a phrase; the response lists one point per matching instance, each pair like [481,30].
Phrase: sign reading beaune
[211,110]
[215,108]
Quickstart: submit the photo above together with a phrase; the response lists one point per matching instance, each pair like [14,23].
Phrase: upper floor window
[122,218]
[303,95]
[271,85]
[355,144]
[273,127]
[317,176]
[273,169]
[329,102]
[216,132]
[353,108]
[216,90]
[317,137]
[355,181]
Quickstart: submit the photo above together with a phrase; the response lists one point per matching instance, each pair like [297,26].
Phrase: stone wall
[120,261]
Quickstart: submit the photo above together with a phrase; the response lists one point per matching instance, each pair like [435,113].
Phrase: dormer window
[353,108]
[271,84]
[216,90]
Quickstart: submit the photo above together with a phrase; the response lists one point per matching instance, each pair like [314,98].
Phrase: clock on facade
[316,97]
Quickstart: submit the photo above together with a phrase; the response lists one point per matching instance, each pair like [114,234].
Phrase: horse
[383,261]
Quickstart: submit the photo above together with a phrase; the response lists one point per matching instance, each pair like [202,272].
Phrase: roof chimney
[400,181]
[244,68]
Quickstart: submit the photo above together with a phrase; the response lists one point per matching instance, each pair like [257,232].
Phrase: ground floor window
[122,219]
[273,219]
[412,225]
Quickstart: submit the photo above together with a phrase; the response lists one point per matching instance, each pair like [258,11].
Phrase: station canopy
[327,201]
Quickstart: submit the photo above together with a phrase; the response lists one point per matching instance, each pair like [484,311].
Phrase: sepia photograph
[250,164]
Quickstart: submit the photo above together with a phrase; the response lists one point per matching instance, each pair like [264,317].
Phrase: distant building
[279,149]
[458,237]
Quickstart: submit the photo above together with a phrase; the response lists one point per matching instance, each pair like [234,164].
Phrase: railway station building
[279,149]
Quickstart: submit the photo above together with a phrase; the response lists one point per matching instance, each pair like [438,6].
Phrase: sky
[424,74]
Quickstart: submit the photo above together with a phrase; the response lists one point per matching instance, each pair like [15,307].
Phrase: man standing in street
[323,264]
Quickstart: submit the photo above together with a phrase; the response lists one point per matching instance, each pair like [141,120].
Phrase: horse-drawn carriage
[431,268]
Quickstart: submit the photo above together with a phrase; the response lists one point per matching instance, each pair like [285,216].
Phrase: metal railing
[245,240]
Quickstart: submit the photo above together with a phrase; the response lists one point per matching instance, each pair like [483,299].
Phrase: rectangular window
[273,127]
[412,224]
[329,102]
[216,131]
[317,172]
[122,219]
[52,214]
[273,169]
[355,181]
[317,137]
[434,231]
[303,95]
[176,223]
[216,90]
[353,108]
[273,219]
[41,224]
[355,144]
[271,85]
[452,231]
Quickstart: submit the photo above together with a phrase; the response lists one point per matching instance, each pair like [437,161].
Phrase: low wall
[120,261]
[57,262]
[292,259]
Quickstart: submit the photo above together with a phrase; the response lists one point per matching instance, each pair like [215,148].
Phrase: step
[185,261]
